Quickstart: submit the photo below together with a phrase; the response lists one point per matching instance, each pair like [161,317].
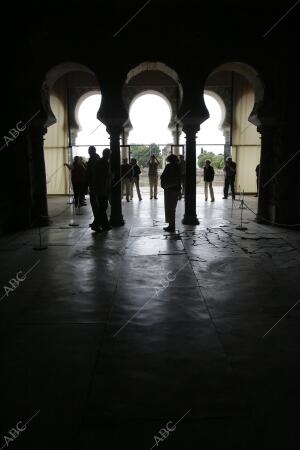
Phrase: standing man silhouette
[92,177]
[230,172]
[103,186]
[153,165]
[209,175]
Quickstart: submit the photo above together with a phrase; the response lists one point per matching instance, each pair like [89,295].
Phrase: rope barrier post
[73,222]
[232,205]
[70,201]
[78,212]
[40,246]
[70,158]
[242,205]
[241,227]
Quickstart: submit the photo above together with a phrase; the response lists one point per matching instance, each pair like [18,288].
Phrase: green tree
[217,161]
[142,153]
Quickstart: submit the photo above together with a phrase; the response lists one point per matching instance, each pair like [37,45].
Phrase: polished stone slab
[113,335]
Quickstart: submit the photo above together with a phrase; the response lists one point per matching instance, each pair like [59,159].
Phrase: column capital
[114,128]
[268,123]
[190,128]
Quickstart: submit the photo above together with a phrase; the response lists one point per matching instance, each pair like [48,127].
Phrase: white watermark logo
[15,282]
[165,432]
[15,432]
[165,282]
[15,132]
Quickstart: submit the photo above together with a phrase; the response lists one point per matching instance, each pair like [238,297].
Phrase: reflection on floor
[111,339]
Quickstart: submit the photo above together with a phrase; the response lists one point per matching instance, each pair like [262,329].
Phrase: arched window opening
[241,91]
[150,116]
[91,131]
[65,87]
[210,138]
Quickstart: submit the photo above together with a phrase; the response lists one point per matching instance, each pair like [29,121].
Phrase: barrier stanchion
[78,211]
[69,166]
[70,201]
[40,246]
[241,227]
[242,205]
[73,222]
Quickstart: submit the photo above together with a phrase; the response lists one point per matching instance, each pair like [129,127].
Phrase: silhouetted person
[126,176]
[78,179]
[92,177]
[209,175]
[230,172]
[135,178]
[82,199]
[257,168]
[182,165]
[103,186]
[170,182]
[153,165]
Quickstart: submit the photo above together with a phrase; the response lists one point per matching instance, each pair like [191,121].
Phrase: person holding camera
[153,165]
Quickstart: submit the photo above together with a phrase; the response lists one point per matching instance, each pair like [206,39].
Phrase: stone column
[227,150]
[125,153]
[190,215]
[116,218]
[266,200]
[125,135]
[73,134]
[125,150]
[39,210]
[176,132]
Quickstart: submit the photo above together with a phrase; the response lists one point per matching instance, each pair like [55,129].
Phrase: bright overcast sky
[150,116]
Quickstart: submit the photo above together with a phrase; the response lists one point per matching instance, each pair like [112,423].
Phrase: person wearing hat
[171,184]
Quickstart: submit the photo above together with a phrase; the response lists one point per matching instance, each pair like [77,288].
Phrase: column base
[263,221]
[190,220]
[117,221]
[42,221]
